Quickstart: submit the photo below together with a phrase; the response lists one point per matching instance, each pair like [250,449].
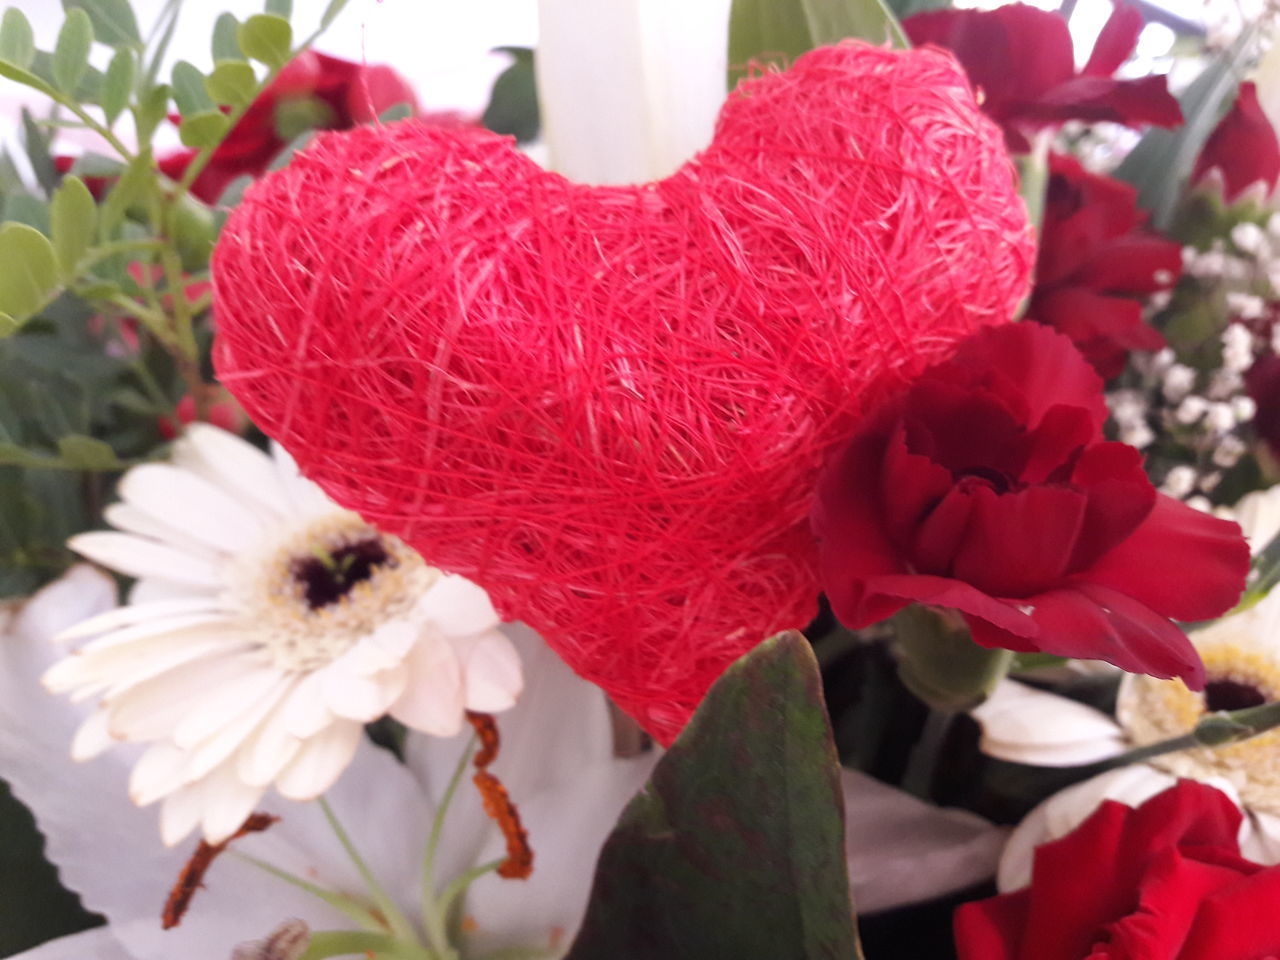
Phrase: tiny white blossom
[1244,408]
[1246,306]
[1237,346]
[1220,417]
[1179,380]
[1200,503]
[1179,482]
[1248,237]
[1137,435]
[1229,451]
[1191,409]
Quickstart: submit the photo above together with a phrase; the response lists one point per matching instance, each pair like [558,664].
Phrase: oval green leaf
[118,84]
[71,52]
[74,218]
[203,129]
[113,21]
[225,44]
[79,452]
[280,8]
[29,275]
[267,39]
[188,89]
[17,42]
[233,83]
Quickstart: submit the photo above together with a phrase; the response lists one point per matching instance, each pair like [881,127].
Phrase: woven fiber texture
[609,405]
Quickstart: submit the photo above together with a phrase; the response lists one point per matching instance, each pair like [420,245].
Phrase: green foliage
[74,221]
[735,848]
[204,129]
[513,102]
[29,274]
[778,31]
[71,54]
[188,89]
[225,44]
[280,8]
[113,21]
[117,84]
[266,38]
[907,8]
[232,83]
[17,43]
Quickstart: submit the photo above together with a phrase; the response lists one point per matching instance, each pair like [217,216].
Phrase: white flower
[556,760]
[267,627]
[1242,660]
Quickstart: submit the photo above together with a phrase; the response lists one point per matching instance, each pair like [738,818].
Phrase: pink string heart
[608,405]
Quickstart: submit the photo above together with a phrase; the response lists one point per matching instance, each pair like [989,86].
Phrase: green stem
[342,943]
[103,131]
[360,914]
[458,886]
[155,322]
[396,921]
[435,910]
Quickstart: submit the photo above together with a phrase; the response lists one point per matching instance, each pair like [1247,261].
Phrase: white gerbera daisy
[268,625]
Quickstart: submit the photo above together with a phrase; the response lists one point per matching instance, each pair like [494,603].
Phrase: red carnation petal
[992,929]
[1188,814]
[1116,42]
[1018,629]
[1131,102]
[1120,498]
[1019,543]
[1134,263]
[1180,562]
[1104,329]
[1043,367]
[1237,923]
[1243,145]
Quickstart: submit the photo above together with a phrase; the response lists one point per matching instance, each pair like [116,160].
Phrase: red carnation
[1095,264]
[1243,148]
[986,487]
[1164,881]
[1023,61]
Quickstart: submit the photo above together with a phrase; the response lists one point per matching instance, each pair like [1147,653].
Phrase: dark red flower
[1165,881]
[1263,384]
[1243,148]
[1096,262]
[986,487]
[347,93]
[1023,61]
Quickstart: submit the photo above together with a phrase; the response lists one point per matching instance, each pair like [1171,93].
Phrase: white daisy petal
[225,705]
[229,737]
[136,613]
[365,698]
[152,709]
[320,761]
[130,519]
[434,700]
[459,607]
[180,813]
[228,801]
[139,557]
[491,666]
[242,467]
[154,589]
[181,500]
[79,594]
[1025,725]
[92,737]
[268,751]
[304,713]
[157,774]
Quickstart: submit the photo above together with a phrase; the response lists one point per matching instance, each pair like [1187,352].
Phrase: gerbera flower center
[1239,675]
[328,577]
[312,595]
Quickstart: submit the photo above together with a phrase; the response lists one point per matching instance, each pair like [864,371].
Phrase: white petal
[458,607]
[1260,838]
[183,501]
[240,725]
[381,650]
[1258,514]
[92,737]
[434,699]
[902,850]
[137,613]
[304,714]
[157,773]
[227,803]
[139,557]
[219,707]
[151,710]
[1025,725]
[128,519]
[363,698]
[235,464]
[100,943]
[491,670]
[79,594]
[665,60]
[153,589]
[267,752]
[320,761]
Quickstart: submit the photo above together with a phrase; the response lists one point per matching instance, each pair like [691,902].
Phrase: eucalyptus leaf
[117,84]
[150,111]
[1160,165]
[37,150]
[11,71]
[79,452]
[188,89]
[74,220]
[735,848]
[29,275]
[10,179]
[280,8]
[331,12]
[233,83]
[778,31]
[71,52]
[17,42]
[22,207]
[204,129]
[113,21]
[266,38]
[88,88]
[131,189]
[513,102]
[225,44]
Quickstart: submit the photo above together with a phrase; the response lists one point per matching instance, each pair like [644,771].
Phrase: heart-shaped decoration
[608,405]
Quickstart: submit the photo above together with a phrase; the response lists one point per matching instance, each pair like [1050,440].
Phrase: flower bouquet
[788,480]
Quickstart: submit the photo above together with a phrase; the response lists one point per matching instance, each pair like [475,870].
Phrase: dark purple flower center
[327,579]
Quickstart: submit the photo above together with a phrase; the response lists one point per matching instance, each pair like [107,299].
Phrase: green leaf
[118,83]
[1161,163]
[188,89]
[25,208]
[28,271]
[778,31]
[131,190]
[113,21]
[37,149]
[150,111]
[71,52]
[17,42]
[79,452]
[513,102]
[267,39]
[331,12]
[280,8]
[909,8]
[74,220]
[735,848]
[232,83]
[88,87]
[225,44]
[204,129]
